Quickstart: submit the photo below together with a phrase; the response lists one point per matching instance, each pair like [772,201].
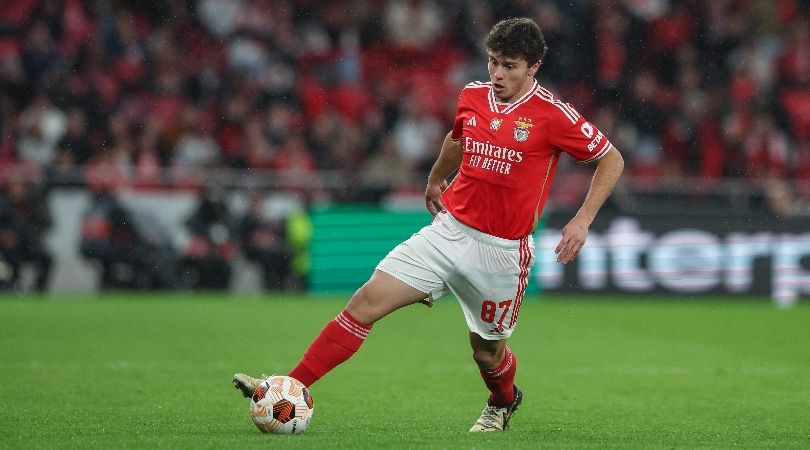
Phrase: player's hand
[433,197]
[574,235]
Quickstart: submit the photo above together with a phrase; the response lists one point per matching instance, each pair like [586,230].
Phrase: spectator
[109,238]
[206,262]
[644,113]
[195,146]
[417,135]
[412,24]
[299,237]
[766,150]
[296,165]
[780,200]
[74,148]
[42,125]
[263,241]
[259,150]
[40,54]
[384,172]
[24,221]
[219,17]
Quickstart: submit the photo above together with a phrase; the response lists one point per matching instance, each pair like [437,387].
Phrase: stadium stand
[705,99]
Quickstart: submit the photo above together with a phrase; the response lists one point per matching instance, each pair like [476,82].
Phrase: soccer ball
[281,405]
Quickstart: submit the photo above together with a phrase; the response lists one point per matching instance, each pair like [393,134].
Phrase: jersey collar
[506,108]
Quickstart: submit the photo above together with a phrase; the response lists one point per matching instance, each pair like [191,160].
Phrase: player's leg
[498,366]
[414,271]
[489,286]
[380,296]
[343,336]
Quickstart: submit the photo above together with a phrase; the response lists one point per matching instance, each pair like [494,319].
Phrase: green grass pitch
[153,371]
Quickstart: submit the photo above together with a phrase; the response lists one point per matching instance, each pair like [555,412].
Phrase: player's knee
[363,306]
[486,358]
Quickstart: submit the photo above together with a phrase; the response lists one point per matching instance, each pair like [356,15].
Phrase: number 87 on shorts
[495,312]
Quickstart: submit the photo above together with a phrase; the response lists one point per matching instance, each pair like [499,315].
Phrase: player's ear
[534,68]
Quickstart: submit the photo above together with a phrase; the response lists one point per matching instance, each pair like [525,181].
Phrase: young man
[505,143]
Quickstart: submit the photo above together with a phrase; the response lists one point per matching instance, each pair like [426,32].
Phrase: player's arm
[608,170]
[448,162]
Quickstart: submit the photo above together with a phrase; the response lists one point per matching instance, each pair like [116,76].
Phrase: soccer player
[506,141]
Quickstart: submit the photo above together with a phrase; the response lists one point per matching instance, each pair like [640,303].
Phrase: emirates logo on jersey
[495,124]
[522,129]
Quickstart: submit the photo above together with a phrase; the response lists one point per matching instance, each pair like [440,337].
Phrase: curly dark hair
[517,37]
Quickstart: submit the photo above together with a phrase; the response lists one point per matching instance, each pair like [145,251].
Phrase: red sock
[501,380]
[337,342]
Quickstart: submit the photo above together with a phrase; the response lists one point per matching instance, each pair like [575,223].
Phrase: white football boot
[496,418]
[247,384]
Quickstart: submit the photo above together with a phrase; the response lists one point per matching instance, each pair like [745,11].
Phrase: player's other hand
[574,235]
[433,197]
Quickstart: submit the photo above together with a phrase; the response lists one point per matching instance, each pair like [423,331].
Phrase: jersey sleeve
[572,134]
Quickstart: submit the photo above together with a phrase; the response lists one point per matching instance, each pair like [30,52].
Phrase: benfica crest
[495,124]
[522,129]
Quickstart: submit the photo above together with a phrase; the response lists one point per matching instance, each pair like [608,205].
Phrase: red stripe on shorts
[523,280]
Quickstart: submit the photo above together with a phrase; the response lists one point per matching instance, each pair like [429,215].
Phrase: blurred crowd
[129,91]
[145,94]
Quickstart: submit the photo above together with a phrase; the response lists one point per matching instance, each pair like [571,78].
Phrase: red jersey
[510,152]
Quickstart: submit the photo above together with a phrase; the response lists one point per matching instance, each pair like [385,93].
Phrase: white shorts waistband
[480,236]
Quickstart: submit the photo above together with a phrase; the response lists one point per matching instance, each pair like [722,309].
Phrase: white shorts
[487,274]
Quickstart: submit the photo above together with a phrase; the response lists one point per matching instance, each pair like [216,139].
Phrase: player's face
[511,77]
